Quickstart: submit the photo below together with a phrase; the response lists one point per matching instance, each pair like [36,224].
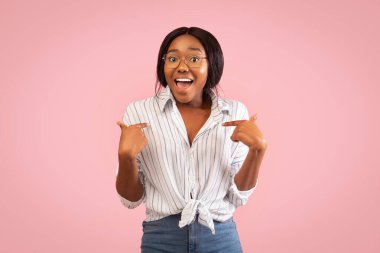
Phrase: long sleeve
[133,204]
[124,201]
[235,196]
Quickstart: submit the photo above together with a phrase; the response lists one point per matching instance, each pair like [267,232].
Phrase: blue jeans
[165,235]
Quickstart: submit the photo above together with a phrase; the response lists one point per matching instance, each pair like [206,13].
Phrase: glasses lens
[192,61]
[171,61]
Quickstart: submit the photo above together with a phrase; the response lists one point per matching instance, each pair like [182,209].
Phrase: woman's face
[185,92]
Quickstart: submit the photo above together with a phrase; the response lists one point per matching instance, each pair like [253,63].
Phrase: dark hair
[213,52]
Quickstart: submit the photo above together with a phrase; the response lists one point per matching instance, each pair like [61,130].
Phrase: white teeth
[183,80]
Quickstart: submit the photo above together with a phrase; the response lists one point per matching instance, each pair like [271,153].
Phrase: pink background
[309,69]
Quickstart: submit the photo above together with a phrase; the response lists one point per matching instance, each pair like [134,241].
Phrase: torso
[194,119]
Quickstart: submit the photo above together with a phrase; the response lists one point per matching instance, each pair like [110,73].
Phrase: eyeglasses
[192,61]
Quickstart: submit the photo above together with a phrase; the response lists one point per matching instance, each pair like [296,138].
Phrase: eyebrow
[190,48]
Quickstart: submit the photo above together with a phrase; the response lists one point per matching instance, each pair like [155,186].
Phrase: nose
[182,66]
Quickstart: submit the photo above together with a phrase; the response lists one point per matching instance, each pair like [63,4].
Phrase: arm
[246,163]
[247,176]
[130,179]
[239,196]
[128,183]
[244,175]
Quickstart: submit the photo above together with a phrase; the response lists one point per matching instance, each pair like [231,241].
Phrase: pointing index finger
[233,123]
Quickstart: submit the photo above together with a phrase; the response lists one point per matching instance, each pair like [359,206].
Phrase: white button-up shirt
[192,179]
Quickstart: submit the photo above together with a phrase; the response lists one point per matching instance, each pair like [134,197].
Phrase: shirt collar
[166,95]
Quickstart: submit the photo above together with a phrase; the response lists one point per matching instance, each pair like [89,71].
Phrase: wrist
[127,157]
[260,149]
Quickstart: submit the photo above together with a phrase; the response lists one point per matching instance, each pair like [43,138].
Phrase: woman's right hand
[132,140]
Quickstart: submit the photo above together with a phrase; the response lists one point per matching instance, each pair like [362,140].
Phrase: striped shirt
[192,179]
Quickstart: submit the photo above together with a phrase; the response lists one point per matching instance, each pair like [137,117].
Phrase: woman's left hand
[247,132]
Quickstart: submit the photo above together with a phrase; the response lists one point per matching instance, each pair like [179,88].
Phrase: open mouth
[183,82]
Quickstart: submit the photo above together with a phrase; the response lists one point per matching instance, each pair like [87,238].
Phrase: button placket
[192,174]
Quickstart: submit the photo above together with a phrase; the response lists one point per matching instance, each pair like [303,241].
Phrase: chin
[183,98]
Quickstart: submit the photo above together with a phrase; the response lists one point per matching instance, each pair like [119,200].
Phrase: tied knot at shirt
[179,178]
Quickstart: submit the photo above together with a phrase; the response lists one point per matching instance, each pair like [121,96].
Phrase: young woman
[190,156]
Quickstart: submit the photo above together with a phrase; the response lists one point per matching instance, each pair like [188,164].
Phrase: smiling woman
[190,156]
[186,82]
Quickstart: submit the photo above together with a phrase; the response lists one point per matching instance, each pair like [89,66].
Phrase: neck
[202,102]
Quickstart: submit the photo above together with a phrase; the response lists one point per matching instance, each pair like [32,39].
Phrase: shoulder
[238,105]
[237,109]
[140,103]
[136,109]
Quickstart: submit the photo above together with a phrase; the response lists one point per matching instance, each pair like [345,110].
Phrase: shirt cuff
[126,202]
[242,194]
[131,204]
[237,197]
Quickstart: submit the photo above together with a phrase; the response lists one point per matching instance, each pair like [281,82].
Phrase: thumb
[121,124]
[253,118]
